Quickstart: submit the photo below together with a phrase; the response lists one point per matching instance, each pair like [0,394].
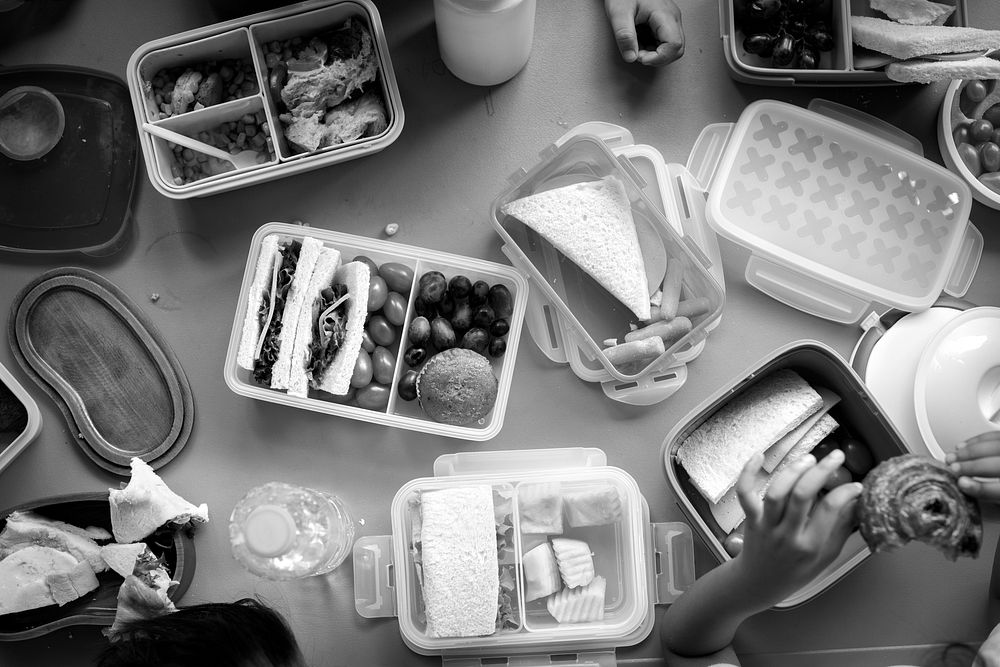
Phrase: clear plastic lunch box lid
[585,308]
[839,209]
[643,563]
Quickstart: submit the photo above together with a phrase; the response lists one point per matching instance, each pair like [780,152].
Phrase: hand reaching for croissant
[978,457]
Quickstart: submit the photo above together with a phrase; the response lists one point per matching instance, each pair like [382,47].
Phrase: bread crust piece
[914,12]
[929,71]
[911,497]
[261,281]
[281,373]
[912,41]
[322,277]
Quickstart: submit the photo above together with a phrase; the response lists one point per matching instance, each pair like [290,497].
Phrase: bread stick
[671,289]
[668,331]
[637,350]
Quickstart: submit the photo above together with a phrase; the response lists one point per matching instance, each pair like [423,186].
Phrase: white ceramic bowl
[947,120]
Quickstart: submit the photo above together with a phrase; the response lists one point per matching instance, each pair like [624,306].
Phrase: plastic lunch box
[12,444]
[400,413]
[242,38]
[568,311]
[644,563]
[846,65]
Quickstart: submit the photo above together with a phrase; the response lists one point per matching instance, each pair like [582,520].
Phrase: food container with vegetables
[393,334]
[20,420]
[968,138]
[302,87]
[802,398]
[805,42]
[648,237]
[538,551]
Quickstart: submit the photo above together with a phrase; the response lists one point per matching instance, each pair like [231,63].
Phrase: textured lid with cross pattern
[840,205]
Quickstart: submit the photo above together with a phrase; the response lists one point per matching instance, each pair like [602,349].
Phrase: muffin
[457,387]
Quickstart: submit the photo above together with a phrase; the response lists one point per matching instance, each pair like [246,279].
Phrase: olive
[372,266]
[442,335]
[501,301]
[383,365]
[980,130]
[480,292]
[483,316]
[419,332]
[476,339]
[398,277]
[414,356]
[460,287]
[363,370]
[763,9]
[461,319]
[975,90]
[784,51]
[373,397]
[499,327]
[497,347]
[761,44]
[989,156]
[432,287]
[367,344]
[424,309]
[447,306]
[837,478]
[381,331]
[407,386]
[821,39]
[377,293]
[970,156]
[857,457]
[808,57]
[394,308]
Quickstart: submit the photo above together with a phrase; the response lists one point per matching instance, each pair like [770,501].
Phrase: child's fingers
[984,490]
[833,517]
[782,484]
[622,17]
[803,494]
[986,445]
[746,488]
[984,467]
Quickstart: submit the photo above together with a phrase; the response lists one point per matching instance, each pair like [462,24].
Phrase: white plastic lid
[269,531]
[957,389]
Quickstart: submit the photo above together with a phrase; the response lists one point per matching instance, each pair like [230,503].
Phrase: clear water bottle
[485,42]
[281,531]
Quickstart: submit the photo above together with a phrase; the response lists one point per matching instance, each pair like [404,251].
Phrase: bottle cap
[270,531]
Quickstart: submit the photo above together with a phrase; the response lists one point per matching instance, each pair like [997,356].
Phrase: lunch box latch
[374,594]
[673,549]
[588,659]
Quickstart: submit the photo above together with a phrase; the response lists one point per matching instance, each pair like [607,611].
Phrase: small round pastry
[457,387]
[912,497]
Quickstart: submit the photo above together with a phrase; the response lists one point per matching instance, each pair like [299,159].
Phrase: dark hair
[244,633]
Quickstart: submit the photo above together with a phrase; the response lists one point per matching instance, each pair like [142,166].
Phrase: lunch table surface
[459,145]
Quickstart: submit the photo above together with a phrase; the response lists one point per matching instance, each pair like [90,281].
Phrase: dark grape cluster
[792,33]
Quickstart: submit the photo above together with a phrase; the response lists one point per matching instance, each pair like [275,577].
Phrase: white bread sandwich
[146,503]
[331,328]
[275,298]
[460,568]
[776,453]
[929,71]
[716,451]
[914,12]
[39,576]
[913,41]
[27,529]
[591,224]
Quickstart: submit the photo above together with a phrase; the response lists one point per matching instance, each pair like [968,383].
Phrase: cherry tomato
[383,363]
[975,90]
[381,331]
[989,156]
[373,397]
[839,476]
[961,134]
[733,543]
[363,370]
[377,293]
[970,157]
[394,308]
[980,130]
[857,457]
[367,344]
[398,277]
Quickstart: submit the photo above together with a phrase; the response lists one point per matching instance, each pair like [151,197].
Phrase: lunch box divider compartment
[857,412]
[811,284]
[572,312]
[242,35]
[399,413]
[656,563]
[11,447]
[846,65]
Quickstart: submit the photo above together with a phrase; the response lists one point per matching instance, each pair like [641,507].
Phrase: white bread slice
[26,574]
[914,12]
[776,452]
[579,605]
[121,557]
[714,453]
[929,71]
[357,277]
[24,529]
[261,281]
[461,584]
[296,298]
[728,512]
[591,223]
[146,503]
[912,41]
[326,265]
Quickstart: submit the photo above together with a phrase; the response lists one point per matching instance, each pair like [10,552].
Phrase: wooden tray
[176,547]
[119,386]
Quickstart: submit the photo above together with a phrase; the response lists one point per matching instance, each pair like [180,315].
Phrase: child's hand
[979,457]
[663,19]
[792,535]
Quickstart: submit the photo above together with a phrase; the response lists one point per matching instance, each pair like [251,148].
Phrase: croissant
[910,497]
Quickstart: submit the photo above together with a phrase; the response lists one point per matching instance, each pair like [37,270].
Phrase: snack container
[857,412]
[644,564]
[23,430]
[949,119]
[840,211]
[845,65]
[247,41]
[571,301]
[398,413]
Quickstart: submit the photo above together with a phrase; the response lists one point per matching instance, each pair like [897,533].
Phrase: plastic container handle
[966,263]
[673,545]
[558,458]
[867,123]
[707,152]
[582,659]
[650,389]
[615,136]
[805,293]
[540,318]
[374,596]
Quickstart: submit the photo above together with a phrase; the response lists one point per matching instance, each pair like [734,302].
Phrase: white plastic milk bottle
[485,42]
